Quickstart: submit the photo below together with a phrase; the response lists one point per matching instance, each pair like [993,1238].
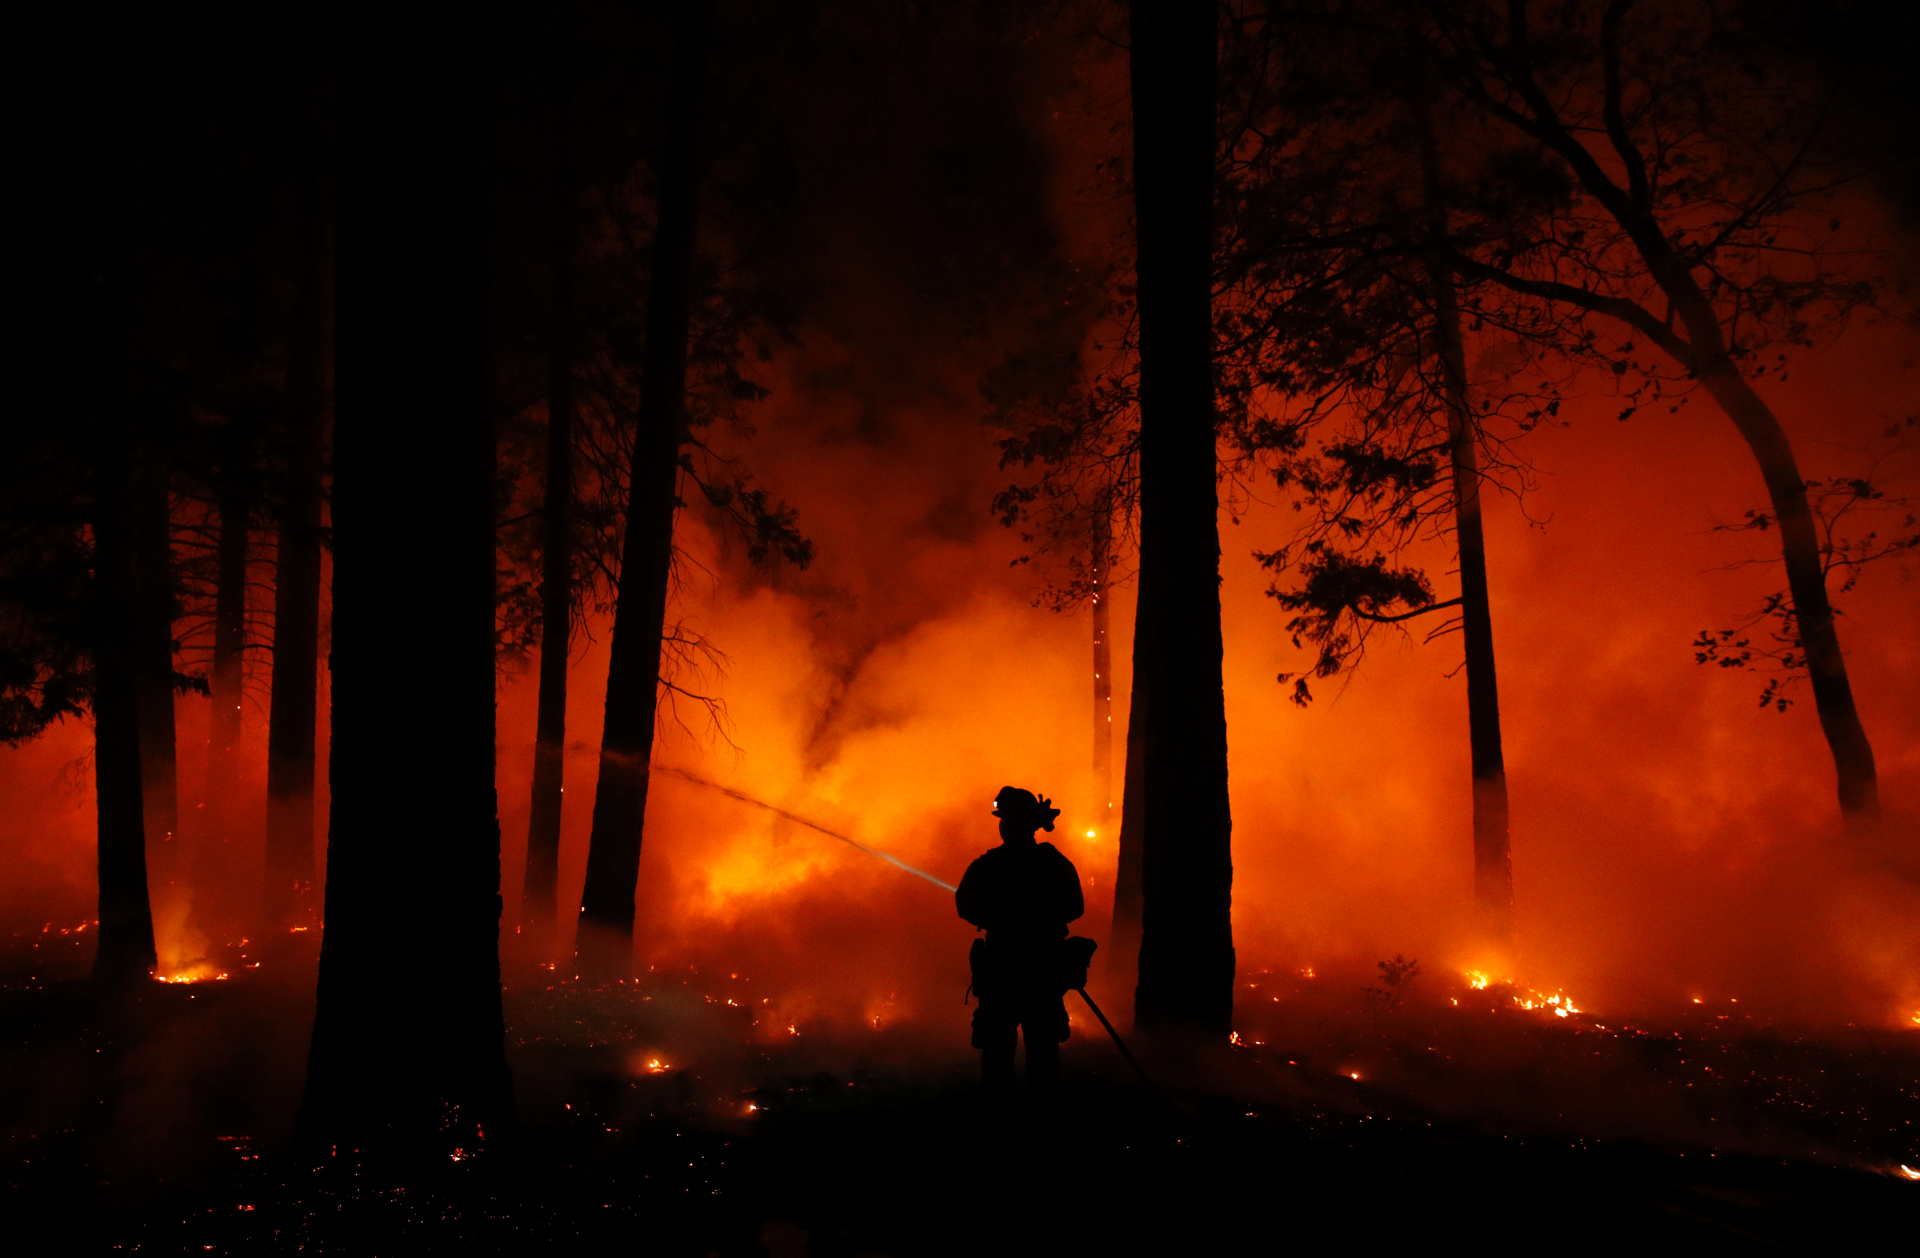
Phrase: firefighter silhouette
[1022,893]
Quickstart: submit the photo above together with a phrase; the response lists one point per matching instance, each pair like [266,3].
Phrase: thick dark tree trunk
[539,909]
[408,1040]
[151,545]
[229,641]
[1186,940]
[124,952]
[125,949]
[605,947]
[296,588]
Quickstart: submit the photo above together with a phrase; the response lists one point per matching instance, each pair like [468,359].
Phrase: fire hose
[1124,1052]
[798,820]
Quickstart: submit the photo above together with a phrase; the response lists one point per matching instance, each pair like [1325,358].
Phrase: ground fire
[531,536]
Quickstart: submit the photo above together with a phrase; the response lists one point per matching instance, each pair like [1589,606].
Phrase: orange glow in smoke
[1668,838]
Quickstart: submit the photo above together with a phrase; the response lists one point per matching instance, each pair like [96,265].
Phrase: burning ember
[200,972]
[1558,1003]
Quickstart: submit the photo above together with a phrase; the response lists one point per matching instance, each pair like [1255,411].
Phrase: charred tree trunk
[408,1039]
[1186,929]
[125,950]
[1492,845]
[150,537]
[229,641]
[296,588]
[605,947]
[539,908]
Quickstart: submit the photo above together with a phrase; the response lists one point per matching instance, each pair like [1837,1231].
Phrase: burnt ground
[657,1119]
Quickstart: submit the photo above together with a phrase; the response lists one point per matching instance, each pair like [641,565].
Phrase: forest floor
[657,1117]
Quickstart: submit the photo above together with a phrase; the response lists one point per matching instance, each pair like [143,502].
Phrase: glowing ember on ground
[201,973]
[1559,1003]
[656,1066]
[1907,1172]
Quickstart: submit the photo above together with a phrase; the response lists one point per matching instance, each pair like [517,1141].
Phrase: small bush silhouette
[1396,977]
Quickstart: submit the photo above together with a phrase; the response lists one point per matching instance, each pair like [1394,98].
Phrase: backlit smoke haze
[1670,839]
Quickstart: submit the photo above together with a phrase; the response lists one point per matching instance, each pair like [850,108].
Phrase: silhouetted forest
[1437,424]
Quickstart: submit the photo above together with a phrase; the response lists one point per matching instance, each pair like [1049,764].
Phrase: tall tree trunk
[1705,356]
[125,950]
[605,946]
[293,700]
[150,539]
[1492,845]
[1099,577]
[1713,366]
[1492,850]
[1186,940]
[539,907]
[408,1039]
[1859,784]
[229,641]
